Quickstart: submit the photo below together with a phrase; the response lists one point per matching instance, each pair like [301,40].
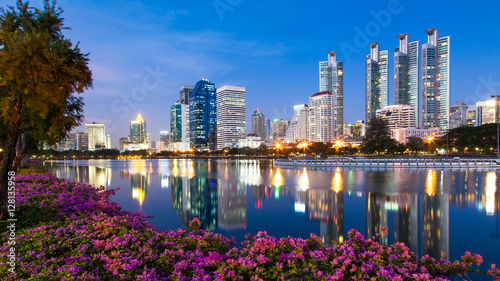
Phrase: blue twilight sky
[142,52]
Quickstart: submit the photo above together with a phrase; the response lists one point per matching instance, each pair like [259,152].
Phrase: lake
[442,213]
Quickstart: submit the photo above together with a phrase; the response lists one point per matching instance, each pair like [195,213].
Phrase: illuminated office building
[296,130]
[138,130]
[331,79]
[320,118]
[436,81]
[231,116]
[203,116]
[398,116]
[185,92]
[376,81]
[96,136]
[406,73]
[259,124]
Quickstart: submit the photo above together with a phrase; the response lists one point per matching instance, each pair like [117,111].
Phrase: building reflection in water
[216,193]
[139,182]
[92,175]
[215,202]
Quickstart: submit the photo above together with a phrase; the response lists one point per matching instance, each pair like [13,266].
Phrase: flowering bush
[88,237]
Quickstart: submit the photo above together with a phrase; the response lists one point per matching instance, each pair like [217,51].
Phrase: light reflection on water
[235,197]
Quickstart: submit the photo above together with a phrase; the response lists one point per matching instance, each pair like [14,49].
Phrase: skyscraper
[259,124]
[108,141]
[376,80]
[278,130]
[185,92]
[179,122]
[231,116]
[331,79]
[406,71]
[297,129]
[320,118]
[138,130]
[458,115]
[203,115]
[268,129]
[96,136]
[164,140]
[436,81]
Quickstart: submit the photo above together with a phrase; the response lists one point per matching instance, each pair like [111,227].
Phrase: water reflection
[224,195]
[92,175]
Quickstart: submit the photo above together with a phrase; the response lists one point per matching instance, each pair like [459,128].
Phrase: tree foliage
[378,138]
[483,137]
[40,73]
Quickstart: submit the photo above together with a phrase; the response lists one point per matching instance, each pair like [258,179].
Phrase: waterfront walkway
[389,163]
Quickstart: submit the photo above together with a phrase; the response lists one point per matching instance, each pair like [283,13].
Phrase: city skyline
[172,44]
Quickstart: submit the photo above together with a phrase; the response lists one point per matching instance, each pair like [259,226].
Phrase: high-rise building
[376,80]
[231,116]
[320,118]
[278,130]
[331,79]
[472,116]
[297,129]
[259,124]
[108,141]
[96,136]
[406,71]
[164,140]
[398,116]
[179,122]
[458,115]
[486,112]
[138,132]
[185,92]
[203,116]
[359,129]
[82,141]
[123,142]
[268,130]
[436,81]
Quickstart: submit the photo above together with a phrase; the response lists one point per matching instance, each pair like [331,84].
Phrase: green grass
[32,169]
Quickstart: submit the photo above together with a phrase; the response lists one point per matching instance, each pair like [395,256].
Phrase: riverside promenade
[392,163]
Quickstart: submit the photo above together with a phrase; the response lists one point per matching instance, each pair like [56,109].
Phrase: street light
[497,121]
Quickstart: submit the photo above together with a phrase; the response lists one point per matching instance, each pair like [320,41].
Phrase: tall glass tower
[331,79]
[436,81]
[376,80]
[203,115]
[406,71]
[185,92]
[176,122]
[138,130]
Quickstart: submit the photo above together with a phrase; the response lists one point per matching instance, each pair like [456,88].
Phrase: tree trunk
[8,157]
[23,151]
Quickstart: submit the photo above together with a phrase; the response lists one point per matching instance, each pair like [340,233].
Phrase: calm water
[442,213]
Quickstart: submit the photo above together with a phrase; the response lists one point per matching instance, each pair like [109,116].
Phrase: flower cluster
[91,238]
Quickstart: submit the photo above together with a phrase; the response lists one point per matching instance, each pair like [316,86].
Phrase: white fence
[455,163]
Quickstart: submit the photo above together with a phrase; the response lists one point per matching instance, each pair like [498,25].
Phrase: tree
[40,71]
[415,144]
[378,138]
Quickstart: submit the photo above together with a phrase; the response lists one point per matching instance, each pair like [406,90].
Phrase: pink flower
[385,229]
